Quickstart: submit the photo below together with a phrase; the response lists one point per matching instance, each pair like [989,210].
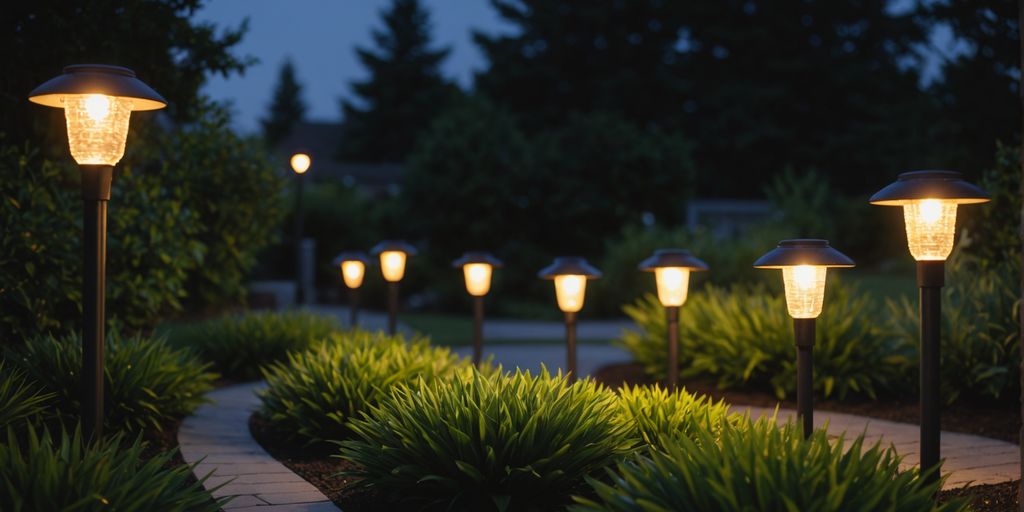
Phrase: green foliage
[498,442]
[71,475]
[764,467]
[656,414]
[316,392]
[238,346]
[995,226]
[147,382]
[744,337]
[286,108]
[22,402]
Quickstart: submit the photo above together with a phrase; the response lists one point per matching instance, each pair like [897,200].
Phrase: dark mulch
[315,464]
[988,498]
[998,421]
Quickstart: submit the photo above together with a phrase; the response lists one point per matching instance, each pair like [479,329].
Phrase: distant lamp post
[300,162]
[672,269]
[929,200]
[353,269]
[570,275]
[393,255]
[477,268]
[97,101]
[804,263]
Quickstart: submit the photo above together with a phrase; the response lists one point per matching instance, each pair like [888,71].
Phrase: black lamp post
[672,269]
[929,200]
[300,162]
[570,275]
[477,267]
[804,263]
[353,269]
[393,255]
[97,101]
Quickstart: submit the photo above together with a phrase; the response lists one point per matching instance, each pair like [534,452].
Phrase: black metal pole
[930,279]
[353,307]
[672,316]
[300,292]
[570,346]
[95,194]
[478,329]
[392,307]
[803,329]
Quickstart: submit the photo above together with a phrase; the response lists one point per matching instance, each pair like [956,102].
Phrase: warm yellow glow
[672,285]
[805,290]
[352,271]
[97,127]
[569,290]
[478,278]
[301,162]
[392,265]
[931,226]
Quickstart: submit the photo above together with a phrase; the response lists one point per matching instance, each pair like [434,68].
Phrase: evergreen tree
[286,109]
[404,92]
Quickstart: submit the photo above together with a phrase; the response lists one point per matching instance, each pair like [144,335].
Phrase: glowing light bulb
[392,265]
[301,162]
[478,278]
[352,271]
[569,290]
[97,127]
[805,290]
[672,285]
[931,228]
[97,106]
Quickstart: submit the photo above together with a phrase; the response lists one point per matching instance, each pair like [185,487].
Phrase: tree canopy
[287,107]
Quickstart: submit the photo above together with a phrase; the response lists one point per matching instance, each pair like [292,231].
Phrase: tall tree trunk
[1020,334]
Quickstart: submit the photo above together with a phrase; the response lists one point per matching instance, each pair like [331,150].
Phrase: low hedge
[654,414]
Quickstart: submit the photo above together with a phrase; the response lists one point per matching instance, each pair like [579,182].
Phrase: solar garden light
[393,255]
[804,263]
[98,101]
[672,269]
[570,275]
[353,269]
[929,200]
[477,268]
[300,163]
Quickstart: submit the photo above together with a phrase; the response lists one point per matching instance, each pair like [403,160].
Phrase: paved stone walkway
[218,434]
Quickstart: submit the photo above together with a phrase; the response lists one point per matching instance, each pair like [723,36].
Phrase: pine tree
[286,109]
[404,92]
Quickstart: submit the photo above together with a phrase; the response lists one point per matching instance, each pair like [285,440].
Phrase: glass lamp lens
[478,278]
[392,265]
[301,162]
[672,285]
[569,290]
[931,226]
[352,271]
[97,127]
[805,290]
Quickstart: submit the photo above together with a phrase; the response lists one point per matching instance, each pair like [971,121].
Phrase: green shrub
[148,383]
[70,475]
[655,414]
[316,392]
[743,336]
[763,467]
[239,345]
[22,401]
[478,442]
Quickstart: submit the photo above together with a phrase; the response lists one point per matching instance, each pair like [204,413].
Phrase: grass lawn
[883,285]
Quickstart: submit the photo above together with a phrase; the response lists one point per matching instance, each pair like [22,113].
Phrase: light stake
[393,255]
[353,269]
[570,275]
[804,264]
[300,162]
[98,101]
[477,268]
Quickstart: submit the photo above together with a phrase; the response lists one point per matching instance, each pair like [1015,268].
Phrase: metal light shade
[477,267]
[570,275]
[97,102]
[672,269]
[353,267]
[804,263]
[393,254]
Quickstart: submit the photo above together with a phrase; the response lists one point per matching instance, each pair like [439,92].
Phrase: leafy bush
[744,337]
[148,383]
[763,467]
[70,475]
[498,442]
[239,345]
[655,414]
[22,402]
[316,392]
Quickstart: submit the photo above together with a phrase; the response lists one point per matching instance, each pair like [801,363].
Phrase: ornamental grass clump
[487,442]
[315,392]
[39,472]
[22,401]
[654,414]
[760,466]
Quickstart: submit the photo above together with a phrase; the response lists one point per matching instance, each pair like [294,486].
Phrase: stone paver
[217,438]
